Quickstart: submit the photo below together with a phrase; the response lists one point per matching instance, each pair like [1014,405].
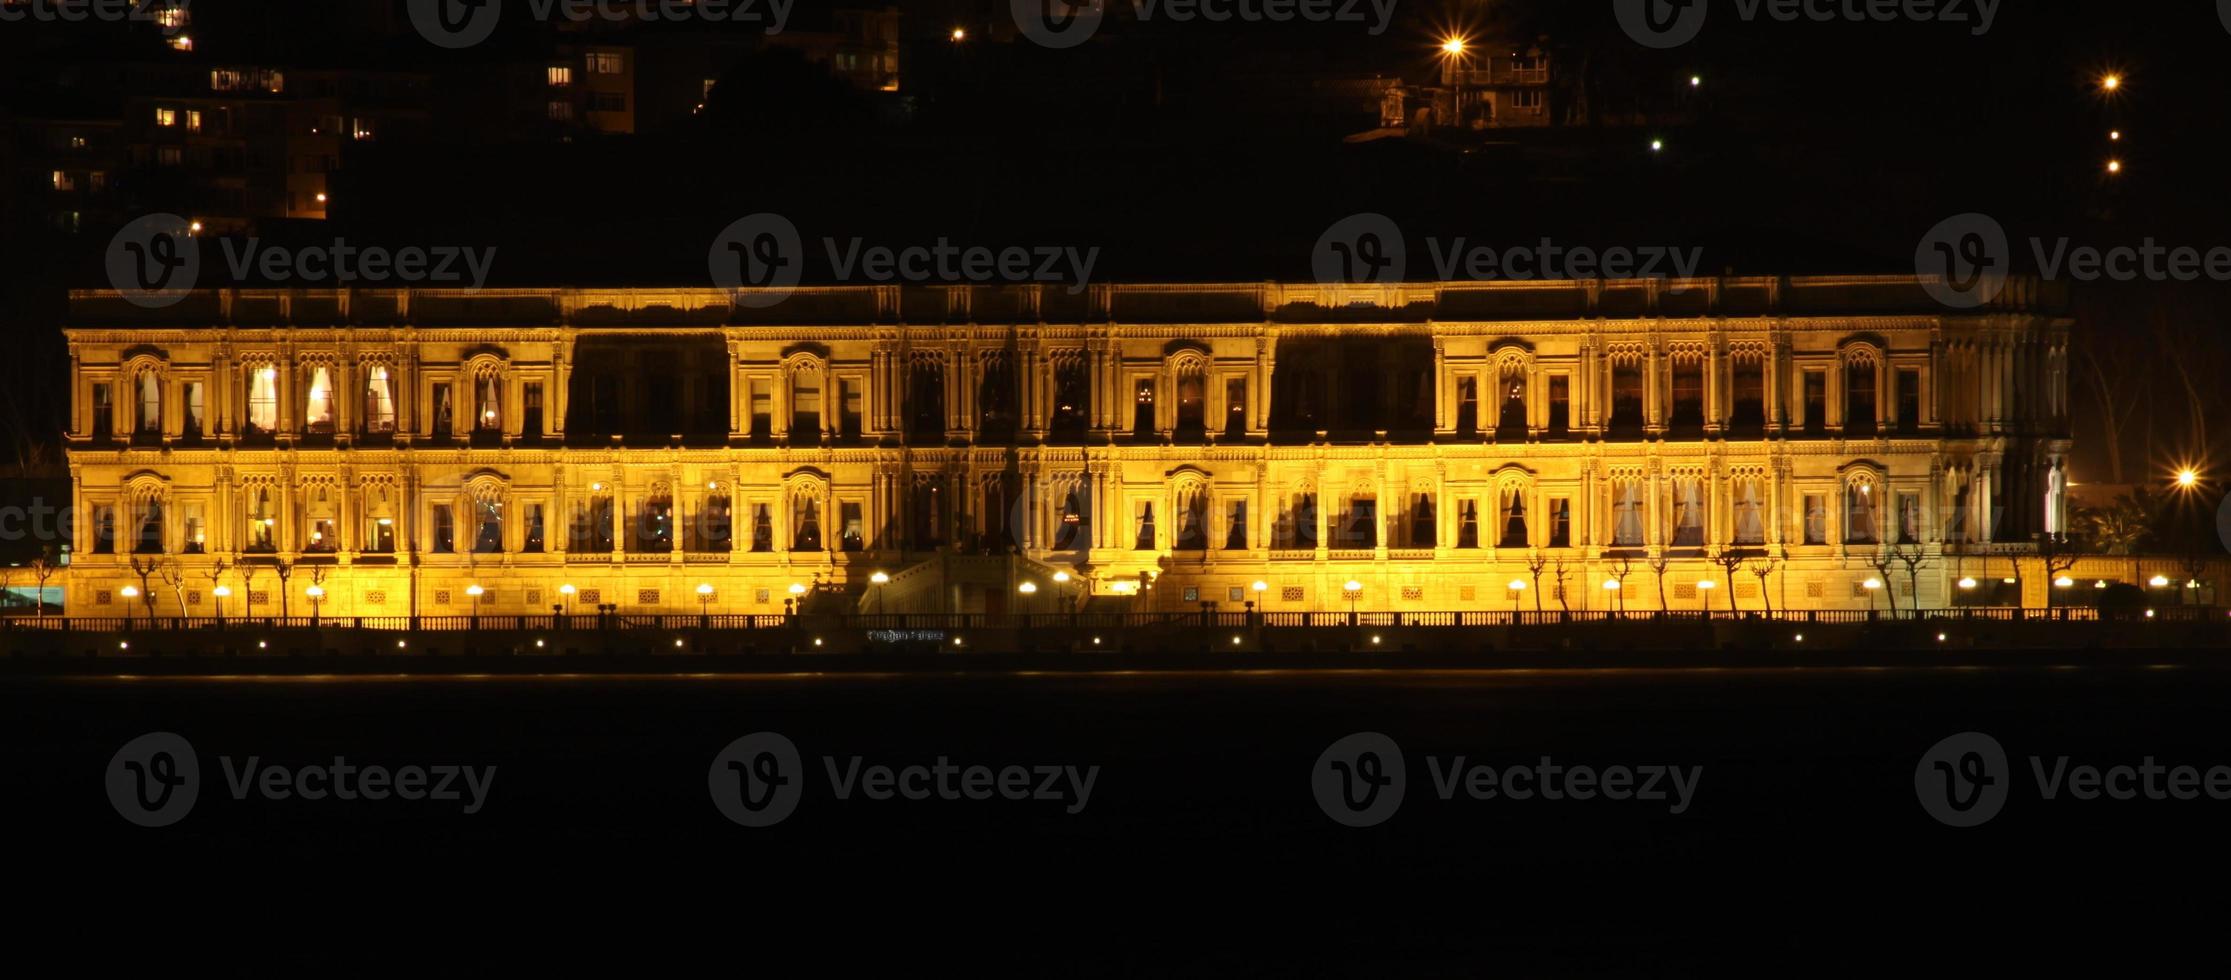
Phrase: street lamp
[794,602]
[704,603]
[1355,591]
[1871,585]
[567,590]
[1704,592]
[1027,589]
[1518,591]
[317,601]
[475,591]
[879,580]
[129,593]
[221,593]
[1611,585]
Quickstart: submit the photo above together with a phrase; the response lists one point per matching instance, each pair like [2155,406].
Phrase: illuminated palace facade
[1164,445]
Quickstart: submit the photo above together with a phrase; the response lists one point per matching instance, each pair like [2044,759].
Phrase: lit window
[193,120]
[182,43]
[166,117]
[605,63]
[62,181]
[319,417]
[263,399]
[560,75]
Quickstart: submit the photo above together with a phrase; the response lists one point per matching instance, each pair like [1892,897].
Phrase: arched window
[379,399]
[317,416]
[487,403]
[379,520]
[1687,498]
[263,399]
[149,419]
[1511,520]
[1862,511]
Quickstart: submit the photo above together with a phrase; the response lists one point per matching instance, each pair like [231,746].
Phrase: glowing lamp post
[317,602]
[704,605]
[879,580]
[1355,592]
[792,605]
[1611,585]
[568,590]
[220,593]
[129,593]
[1872,585]
[475,591]
[1026,590]
[1518,591]
[1258,588]
[1704,592]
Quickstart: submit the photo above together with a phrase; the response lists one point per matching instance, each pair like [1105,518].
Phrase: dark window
[1909,400]
[445,530]
[1072,400]
[442,415]
[1688,397]
[1859,398]
[850,405]
[530,412]
[1560,406]
[925,394]
[104,411]
[1468,525]
[1560,523]
[1467,406]
[1510,423]
[1748,411]
[1235,408]
[1816,402]
[853,537]
[534,529]
[1142,411]
[1626,398]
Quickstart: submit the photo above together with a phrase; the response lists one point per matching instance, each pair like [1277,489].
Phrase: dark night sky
[1814,148]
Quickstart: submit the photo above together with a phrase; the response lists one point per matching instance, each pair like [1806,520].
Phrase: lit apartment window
[224,79]
[193,120]
[77,142]
[182,42]
[170,18]
[263,399]
[166,117]
[560,76]
[605,63]
[62,181]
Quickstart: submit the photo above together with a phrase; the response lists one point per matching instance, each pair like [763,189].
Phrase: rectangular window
[104,410]
[530,402]
[1235,525]
[805,404]
[1816,401]
[1560,523]
[1909,400]
[1909,519]
[1816,519]
[762,407]
[607,102]
[1467,405]
[534,529]
[379,399]
[1235,408]
[445,531]
[1560,405]
[854,536]
[166,117]
[1527,100]
[195,406]
[1142,412]
[605,63]
[104,530]
[1688,512]
[560,111]
[849,394]
[1859,398]
[1688,395]
[1626,513]
[443,422]
[193,120]
[1748,408]
[559,76]
[1750,526]
[1626,397]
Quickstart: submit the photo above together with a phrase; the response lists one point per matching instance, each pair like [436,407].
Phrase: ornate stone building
[1164,445]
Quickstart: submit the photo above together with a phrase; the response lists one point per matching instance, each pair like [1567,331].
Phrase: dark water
[1804,831]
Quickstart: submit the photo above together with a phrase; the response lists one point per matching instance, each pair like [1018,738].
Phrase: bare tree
[175,576]
[216,575]
[1658,565]
[146,572]
[1881,562]
[1913,558]
[247,590]
[1729,560]
[285,570]
[1620,570]
[1763,567]
[1562,602]
[1534,567]
[2059,553]
[43,568]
